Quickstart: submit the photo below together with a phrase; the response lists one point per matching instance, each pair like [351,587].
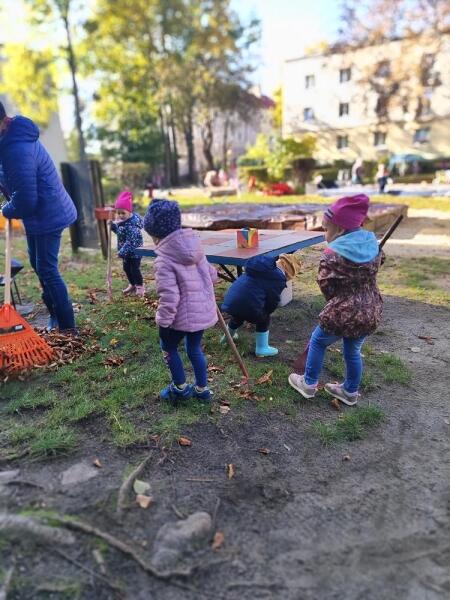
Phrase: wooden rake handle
[232,345]
[109,263]
[7,274]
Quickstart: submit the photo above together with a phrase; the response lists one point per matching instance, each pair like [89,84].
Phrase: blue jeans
[320,340]
[43,252]
[170,339]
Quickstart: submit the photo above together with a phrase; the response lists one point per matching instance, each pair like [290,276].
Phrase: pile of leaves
[66,348]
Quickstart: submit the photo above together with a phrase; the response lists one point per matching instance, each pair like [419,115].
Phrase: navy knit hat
[162,218]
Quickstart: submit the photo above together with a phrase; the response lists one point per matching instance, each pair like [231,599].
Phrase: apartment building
[392,98]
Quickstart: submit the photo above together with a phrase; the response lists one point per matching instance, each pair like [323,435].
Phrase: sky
[288,27]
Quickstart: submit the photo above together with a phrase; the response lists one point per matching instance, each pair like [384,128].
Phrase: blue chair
[16,267]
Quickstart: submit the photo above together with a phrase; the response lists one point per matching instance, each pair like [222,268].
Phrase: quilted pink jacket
[184,282]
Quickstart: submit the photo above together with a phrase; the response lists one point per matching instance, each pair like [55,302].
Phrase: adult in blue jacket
[253,297]
[38,197]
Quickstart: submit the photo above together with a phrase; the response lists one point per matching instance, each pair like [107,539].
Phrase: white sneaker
[337,391]
[140,291]
[298,383]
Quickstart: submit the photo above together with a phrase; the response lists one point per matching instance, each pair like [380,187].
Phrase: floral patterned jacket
[354,303]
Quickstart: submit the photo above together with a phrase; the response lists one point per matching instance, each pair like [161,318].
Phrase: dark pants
[382,181]
[43,251]
[132,268]
[170,339]
[262,322]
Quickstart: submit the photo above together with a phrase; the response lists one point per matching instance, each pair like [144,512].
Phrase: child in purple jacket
[187,305]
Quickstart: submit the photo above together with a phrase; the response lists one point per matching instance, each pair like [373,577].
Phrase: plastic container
[103,213]
[286,294]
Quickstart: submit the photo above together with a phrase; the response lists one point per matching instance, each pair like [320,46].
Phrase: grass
[350,426]
[416,202]
[50,413]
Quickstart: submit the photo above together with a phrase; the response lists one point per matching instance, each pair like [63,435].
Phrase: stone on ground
[176,541]
[78,473]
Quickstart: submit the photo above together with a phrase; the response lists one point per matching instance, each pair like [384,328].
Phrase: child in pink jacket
[187,305]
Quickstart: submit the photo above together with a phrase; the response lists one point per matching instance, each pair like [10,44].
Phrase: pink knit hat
[124,201]
[348,212]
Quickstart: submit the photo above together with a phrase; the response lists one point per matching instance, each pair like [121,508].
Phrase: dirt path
[299,523]
[423,233]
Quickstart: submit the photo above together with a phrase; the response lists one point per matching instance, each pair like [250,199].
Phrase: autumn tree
[406,83]
[29,77]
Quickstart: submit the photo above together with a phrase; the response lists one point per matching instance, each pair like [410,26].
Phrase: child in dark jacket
[347,278]
[255,295]
[128,228]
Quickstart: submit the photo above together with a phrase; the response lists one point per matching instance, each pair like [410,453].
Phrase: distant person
[211,179]
[357,171]
[382,177]
[38,198]
[128,227]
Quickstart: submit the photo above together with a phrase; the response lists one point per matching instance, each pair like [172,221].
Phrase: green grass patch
[350,426]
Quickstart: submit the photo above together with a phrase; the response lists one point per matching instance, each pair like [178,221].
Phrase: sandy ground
[423,233]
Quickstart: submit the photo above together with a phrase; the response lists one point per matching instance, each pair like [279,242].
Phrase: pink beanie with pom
[349,212]
[124,201]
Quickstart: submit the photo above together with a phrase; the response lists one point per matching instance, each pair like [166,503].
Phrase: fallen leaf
[113,361]
[266,378]
[415,349]
[96,462]
[224,410]
[287,447]
[144,501]
[218,540]
[427,338]
[225,402]
[346,457]
[264,451]
[184,441]
[231,471]
[335,404]
[215,369]
[140,487]
[113,342]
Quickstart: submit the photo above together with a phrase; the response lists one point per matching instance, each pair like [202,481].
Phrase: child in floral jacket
[128,228]
[347,278]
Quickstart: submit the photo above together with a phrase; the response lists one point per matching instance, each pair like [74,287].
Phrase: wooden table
[221,248]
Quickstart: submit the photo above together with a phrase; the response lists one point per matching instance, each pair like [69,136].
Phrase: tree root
[127,484]
[18,524]
[6,583]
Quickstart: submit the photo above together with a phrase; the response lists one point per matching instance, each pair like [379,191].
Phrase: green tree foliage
[277,154]
[277,111]
[29,78]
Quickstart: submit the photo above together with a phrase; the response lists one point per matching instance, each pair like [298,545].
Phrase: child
[347,278]
[255,295]
[129,237]
[187,305]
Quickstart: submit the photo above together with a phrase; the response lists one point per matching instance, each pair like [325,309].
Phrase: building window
[379,138]
[342,141]
[310,81]
[344,109]
[345,75]
[422,135]
[308,114]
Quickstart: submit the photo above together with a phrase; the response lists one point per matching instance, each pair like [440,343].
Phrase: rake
[20,345]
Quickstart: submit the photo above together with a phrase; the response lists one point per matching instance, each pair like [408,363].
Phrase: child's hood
[359,246]
[182,246]
[264,267]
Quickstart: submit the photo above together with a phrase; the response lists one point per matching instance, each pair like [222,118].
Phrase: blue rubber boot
[262,345]
[174,394]
[52,323]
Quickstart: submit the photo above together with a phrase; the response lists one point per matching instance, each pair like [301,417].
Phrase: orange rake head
[20,346]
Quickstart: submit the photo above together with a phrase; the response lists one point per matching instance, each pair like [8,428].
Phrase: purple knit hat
[162,218]
[348,212]
[124,201]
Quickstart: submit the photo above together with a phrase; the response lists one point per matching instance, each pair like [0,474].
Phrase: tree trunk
[175,170]
[207,139]
[225,143]
[167,158]
[189,139]
[71,60]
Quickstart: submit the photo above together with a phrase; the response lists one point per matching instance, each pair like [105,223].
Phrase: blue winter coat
[129,236]
[37,194]
[257,292]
